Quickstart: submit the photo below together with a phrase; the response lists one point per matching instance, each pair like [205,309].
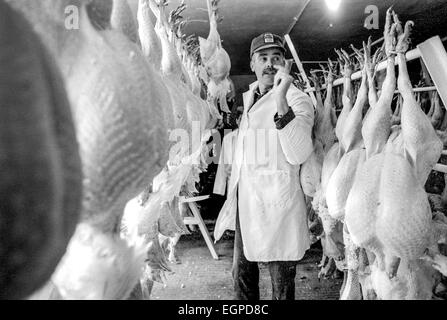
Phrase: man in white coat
[265,202]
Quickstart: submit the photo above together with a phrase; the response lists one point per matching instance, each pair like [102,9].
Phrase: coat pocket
[273,188]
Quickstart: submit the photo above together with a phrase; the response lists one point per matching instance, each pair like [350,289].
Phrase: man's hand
[281,85]
[283,79]
[228,168]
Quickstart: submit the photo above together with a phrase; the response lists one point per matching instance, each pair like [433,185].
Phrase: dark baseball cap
[265,41]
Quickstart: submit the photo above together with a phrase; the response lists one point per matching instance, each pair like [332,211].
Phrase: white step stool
[197,220]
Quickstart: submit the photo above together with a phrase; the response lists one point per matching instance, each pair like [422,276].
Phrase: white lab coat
[272,209]
[225,162]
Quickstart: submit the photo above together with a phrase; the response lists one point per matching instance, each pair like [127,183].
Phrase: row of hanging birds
[103,100]
[367,174]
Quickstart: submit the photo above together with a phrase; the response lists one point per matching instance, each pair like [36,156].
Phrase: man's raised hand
[283,79]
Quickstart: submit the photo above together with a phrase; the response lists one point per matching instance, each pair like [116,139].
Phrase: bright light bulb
[333,4]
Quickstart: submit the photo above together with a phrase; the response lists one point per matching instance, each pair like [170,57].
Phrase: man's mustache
[269,71]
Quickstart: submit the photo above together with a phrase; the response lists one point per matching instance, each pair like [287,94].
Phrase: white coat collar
[248,96]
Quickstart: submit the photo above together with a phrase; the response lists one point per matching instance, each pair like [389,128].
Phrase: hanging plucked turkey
[41,178]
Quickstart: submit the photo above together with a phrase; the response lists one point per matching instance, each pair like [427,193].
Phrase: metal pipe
[295,54]
[296,18]
[411,55]
[421,89]
[313,62]
[440,167]
[300,67]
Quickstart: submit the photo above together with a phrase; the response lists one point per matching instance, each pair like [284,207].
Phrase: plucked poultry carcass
[123,20]
[319,100]
[177,37]
[332,230]
[196,109]
[216,61]
[340,182]
[150,42]
[323,131]
[332,238]
[41,177]
[346,69]
[371,72]
[324,128]
[438,113]
[323,134]
[192,60]
[342,179]
[310,171]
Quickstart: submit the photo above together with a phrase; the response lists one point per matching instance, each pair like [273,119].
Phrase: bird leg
[351,289]
[172,257]
[323,261]
[328,269]
[392,266]
[438,261]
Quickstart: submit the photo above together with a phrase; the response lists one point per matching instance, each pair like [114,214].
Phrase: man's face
[262,64]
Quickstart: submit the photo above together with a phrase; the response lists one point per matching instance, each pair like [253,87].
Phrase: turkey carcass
[346,69]
[41,177]
[216,61]
[341,180]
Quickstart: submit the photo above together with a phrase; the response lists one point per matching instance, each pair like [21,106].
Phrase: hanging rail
[410,55]
[295,54]
[440,168]
[421,89]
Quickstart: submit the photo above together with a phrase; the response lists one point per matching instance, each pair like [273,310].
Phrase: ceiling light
[333,4]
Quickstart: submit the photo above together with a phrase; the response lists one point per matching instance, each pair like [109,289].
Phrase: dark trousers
[246,274]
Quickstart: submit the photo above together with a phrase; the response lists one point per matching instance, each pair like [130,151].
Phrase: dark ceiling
[316,33]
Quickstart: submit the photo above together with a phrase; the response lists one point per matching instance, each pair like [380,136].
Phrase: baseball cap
[266,40]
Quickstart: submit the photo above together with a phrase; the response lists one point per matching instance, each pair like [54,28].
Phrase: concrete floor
[200,277]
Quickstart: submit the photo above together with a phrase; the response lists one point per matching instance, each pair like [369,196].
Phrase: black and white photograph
[235,151]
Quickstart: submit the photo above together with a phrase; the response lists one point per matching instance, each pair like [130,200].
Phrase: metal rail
[296,18]
[295,54]
[411,55]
